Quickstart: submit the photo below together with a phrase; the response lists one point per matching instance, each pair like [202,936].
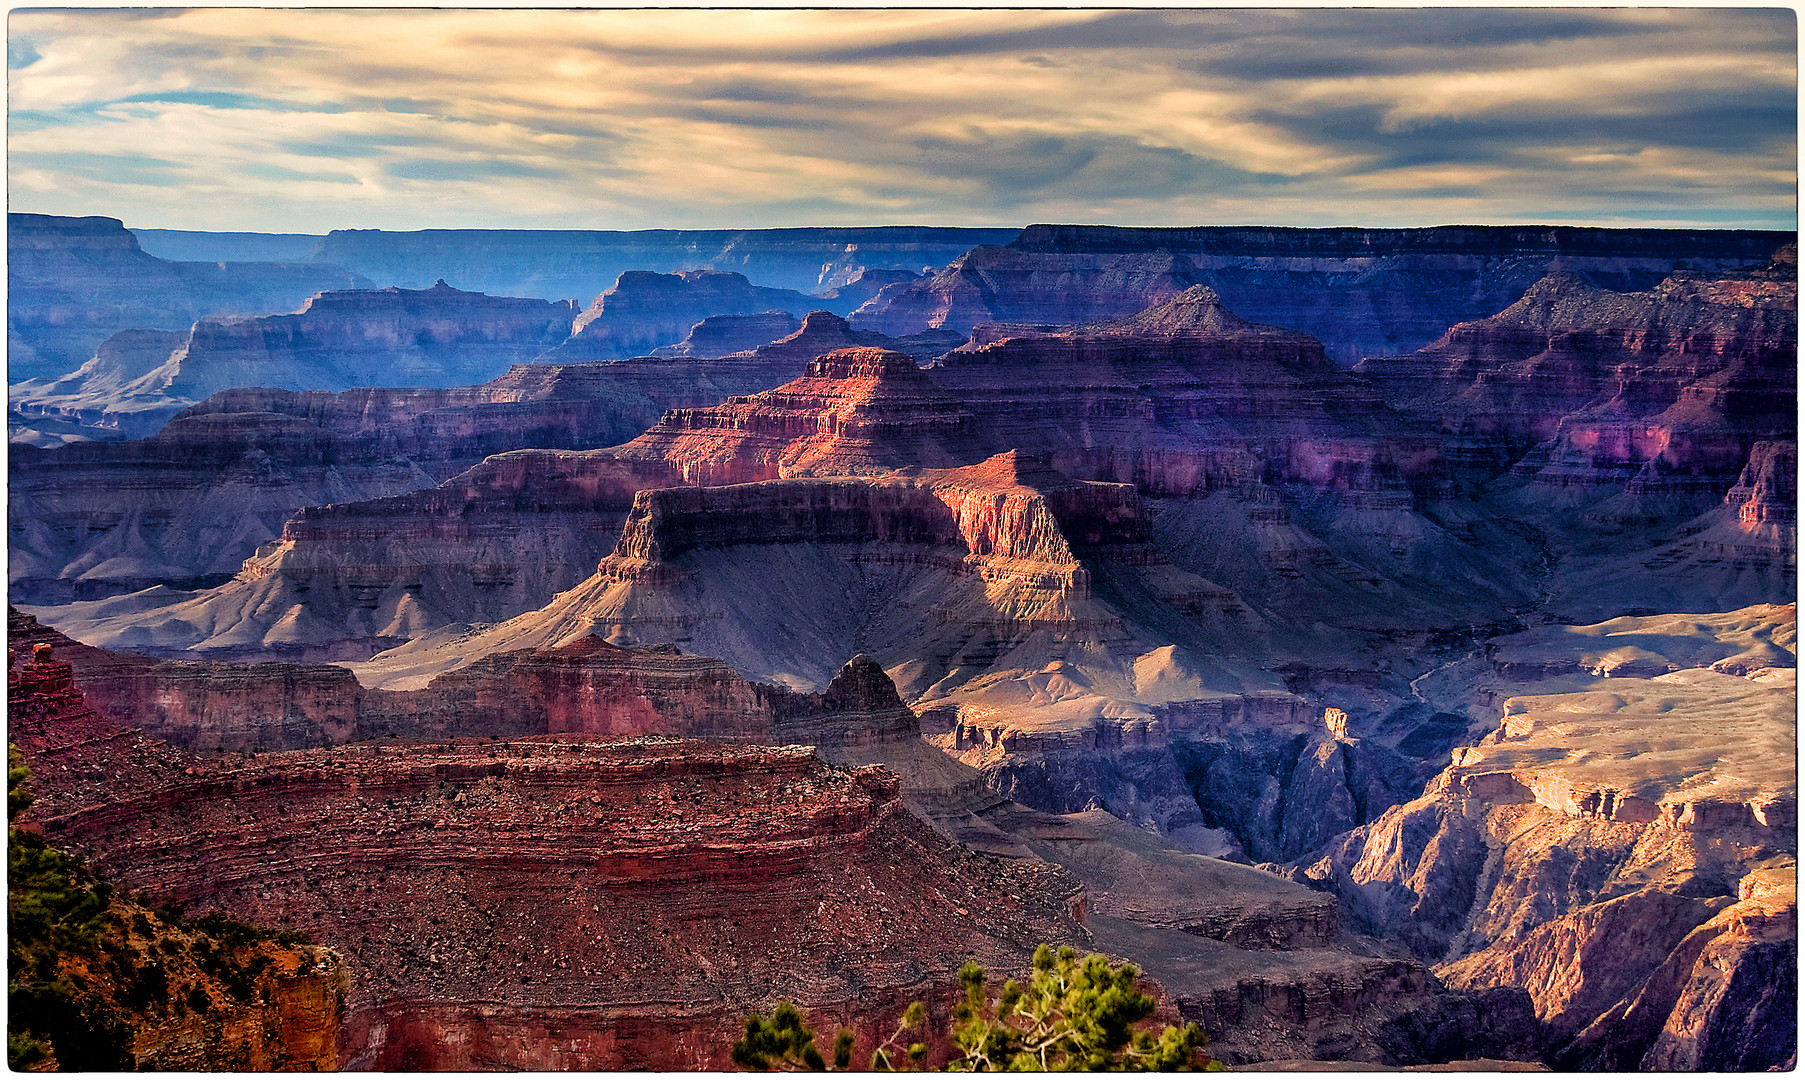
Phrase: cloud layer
[303,121]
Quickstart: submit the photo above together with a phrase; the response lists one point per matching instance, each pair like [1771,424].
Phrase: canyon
[862,877]
[1384,638]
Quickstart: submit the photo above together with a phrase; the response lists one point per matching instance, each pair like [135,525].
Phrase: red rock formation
[580,891]
[854,411]
[449,871]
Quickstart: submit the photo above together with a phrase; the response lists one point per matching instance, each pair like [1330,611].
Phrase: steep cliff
[1623,847]
[1362,292]
[73,282]
[1649,393]
[718,335]
[345,580]
[854,411]
[188,506]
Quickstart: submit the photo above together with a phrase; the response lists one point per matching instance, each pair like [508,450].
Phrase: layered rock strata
[1622,847]
[345,580]
[94,520]
[719,335]
[945,570]
[1362,292]
[73,282]
[1253,958]
[1653,394]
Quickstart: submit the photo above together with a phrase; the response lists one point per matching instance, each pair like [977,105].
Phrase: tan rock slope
[1623,845]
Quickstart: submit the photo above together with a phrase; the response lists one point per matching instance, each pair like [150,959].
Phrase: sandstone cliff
[73,282]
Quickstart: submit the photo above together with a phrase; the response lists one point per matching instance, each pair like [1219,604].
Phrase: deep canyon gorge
[1386,639]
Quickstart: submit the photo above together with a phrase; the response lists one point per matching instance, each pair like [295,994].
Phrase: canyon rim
[536,535]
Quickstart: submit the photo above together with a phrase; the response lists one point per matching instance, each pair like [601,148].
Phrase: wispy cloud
[305,120]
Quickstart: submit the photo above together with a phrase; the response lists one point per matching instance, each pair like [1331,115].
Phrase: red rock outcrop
[475,947]
[858,410]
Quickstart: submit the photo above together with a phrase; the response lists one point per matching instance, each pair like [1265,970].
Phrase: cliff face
[1362,292]
[719,335]
[1649,393]
[72,282]
[1621,848]
[89,521]
[968,561]
[596,897]
[644,311]
[345,580]
[560,263]
[854,411]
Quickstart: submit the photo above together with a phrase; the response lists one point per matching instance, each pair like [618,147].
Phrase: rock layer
[1362,292]
[94,520]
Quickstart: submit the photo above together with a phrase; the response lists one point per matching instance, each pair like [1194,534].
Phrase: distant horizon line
[966,228]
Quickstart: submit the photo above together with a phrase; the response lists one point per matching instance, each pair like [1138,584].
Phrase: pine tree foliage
[1072,1014]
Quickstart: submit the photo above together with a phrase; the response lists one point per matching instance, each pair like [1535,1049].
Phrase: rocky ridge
[1362,292]
[94,520]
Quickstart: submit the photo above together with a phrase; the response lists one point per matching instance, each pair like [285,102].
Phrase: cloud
[321,118]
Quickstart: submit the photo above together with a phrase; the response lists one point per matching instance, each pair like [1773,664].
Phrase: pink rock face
[1656,393]
[854,411]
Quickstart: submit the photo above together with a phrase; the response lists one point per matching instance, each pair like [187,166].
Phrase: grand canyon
[1396,674]
[572,540]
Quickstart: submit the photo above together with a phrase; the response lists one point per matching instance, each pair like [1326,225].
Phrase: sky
[308,120]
